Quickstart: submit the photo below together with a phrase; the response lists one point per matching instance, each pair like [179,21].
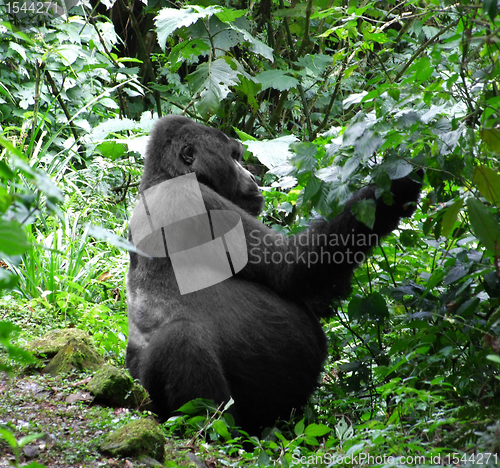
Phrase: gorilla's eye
[237,155]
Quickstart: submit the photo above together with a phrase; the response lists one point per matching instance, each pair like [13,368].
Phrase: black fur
[255,337]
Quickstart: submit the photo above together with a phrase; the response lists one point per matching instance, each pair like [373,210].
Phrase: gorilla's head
[178,146]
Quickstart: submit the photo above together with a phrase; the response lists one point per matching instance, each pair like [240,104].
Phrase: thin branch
[57,95]
[422,48]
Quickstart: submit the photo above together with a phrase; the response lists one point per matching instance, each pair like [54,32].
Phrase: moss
[142,437]
[52,342]
[77,354]
[115,387]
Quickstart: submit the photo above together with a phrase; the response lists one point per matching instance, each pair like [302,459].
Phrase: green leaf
[488,183]
[13,240]
[422,70]
[250,89]
[372,306]
[170,19]
[277,79]
[381,38]
[7,280]
[30,438]
[212,80]
[316,430]
[110,237]
[491,8]
[228,15]
[304,158]
[365,212]
[244,136]
[450,216]
[186,50]
[256,46]
[493,358]
[299,428]
[221,428]
[397,168]
[6,435]
[485,225]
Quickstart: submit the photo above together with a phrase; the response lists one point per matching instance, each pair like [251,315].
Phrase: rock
[52,342]
[76,354]
[142,437]
[115,387]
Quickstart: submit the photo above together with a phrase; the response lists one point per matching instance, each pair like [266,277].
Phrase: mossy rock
[142,437]
[52,342]
[115,387]
[77,354]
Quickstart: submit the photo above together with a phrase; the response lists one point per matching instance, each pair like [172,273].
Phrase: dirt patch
[59,408]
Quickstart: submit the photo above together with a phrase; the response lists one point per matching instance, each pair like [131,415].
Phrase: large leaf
[170,19]
[277,79]
[450,217]
[256,46]
[272,153]
[372,306]
[365,211]
[13,240]
[488,183]
[485,225]
[211,80]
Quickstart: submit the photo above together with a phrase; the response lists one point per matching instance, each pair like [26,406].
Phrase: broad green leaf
[304,158]
[5,199]
[211,80]
[7,279]
[488,183]
[186,50]
[221,428]
[493,358]
[13,240]
[354,98]
[256,46]
[111,149]
[365,212]
[316,430]
[6,435]
[372,306]
[250,89]
[485,225]
[381,38]
[277,79]
[228,15]
[450,216]
[18,48]
[244,136]
[272,153]
[422,69]
[110,237]
[491,8]
[299,428]
[311,189]
[170,19]
[397,168]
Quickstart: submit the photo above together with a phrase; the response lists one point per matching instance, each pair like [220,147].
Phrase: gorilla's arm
[320,261]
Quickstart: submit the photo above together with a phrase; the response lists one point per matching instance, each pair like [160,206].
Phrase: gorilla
[254,336]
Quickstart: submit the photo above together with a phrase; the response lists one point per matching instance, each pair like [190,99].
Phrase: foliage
[326,95]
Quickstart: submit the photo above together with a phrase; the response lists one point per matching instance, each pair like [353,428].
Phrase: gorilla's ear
[187,154]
